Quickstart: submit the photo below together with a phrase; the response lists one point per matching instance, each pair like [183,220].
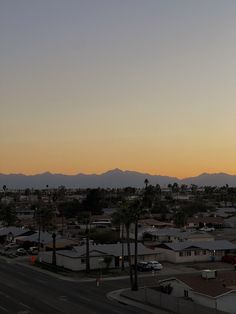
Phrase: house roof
[81,253]
[201,235]
[153,222]
[224,282]
[206,220]
[108,249]
[16,231]
[205,245]
[174,232]
[62,243]
[45,237]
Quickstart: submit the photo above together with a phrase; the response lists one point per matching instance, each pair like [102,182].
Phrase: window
[197,252]
[186,293]
[141,258]
[185,253]
[126,258]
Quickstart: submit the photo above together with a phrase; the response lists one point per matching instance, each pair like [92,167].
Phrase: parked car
[143,266]
[33,250]
[207,229]
[229,259]
[11,246]
[154,265]
[21,251]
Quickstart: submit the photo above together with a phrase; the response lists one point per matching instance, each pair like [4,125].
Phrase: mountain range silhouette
[115,178]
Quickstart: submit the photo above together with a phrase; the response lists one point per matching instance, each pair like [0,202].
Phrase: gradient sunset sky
[91,85]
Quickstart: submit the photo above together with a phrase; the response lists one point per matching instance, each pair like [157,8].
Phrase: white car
[207,229]
[21,251]
[154,265]
[33,250]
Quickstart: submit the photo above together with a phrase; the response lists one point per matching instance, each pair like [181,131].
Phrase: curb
[116,296]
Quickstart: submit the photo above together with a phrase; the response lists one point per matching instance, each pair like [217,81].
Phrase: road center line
[3,308]
[84,298]
[25,305]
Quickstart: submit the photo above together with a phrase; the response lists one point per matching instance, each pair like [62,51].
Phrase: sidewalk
[116,296]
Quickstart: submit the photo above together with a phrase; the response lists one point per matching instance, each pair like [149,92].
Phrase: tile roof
[205,245]
[45,237]
[16,231]
[170,232]
[224,282]
[207,220]
[109,249]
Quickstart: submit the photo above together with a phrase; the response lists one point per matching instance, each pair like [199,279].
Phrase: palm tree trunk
[135,285]
[129,257]
[122,248]
[54,258]
[87,251]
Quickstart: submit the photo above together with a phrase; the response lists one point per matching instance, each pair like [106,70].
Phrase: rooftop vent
[209,273]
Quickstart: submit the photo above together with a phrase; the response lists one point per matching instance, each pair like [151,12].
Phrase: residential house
[101,222]
[44,238]
[9,234]
[216,290]
[192,251]
[166,234]
[198,222]
[75,259]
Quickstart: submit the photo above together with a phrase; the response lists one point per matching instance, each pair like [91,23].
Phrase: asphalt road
[27,291]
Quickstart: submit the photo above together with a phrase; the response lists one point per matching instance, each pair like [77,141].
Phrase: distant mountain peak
[114,171]
[115,178]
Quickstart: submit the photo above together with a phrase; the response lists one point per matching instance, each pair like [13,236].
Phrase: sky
[145,85]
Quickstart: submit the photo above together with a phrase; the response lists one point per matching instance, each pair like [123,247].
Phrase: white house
[213,289]
[75,259]
[193,251]
[167,234]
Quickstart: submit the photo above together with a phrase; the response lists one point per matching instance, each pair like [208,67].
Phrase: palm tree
[127,223]
[87,221]
[136,211]
[54,256]
[118,219]
[125,218]
[4,189]
[128,214]
[146,182]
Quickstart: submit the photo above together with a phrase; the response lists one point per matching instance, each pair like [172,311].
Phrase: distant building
[198,222]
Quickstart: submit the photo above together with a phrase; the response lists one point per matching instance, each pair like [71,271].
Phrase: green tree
[146,182]
[8,215]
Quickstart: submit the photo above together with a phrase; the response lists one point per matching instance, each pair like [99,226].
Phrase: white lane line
[24,305]
[4,294]
[116,311]
[41,281]
[63,298]
[84,298]
[3,308]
